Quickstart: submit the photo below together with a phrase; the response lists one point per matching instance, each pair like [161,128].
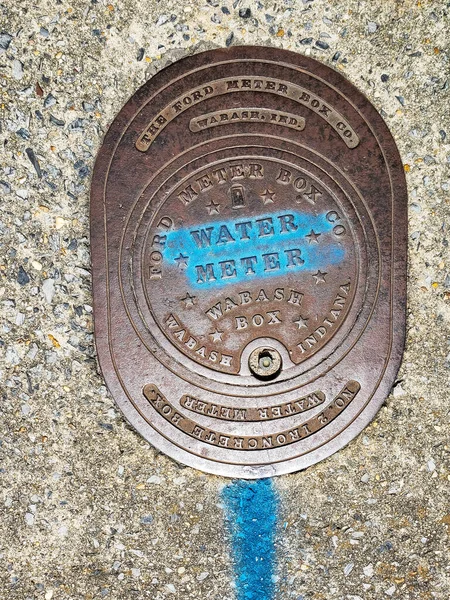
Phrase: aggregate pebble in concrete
[89,510]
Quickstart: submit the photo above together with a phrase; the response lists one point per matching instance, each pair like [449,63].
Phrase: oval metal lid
[248,234]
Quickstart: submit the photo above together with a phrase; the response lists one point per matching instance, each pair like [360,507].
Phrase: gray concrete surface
[88,509]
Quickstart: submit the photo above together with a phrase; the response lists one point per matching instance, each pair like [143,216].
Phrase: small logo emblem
[237,196]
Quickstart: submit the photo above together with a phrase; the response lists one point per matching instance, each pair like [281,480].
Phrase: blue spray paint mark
[251,516]
[225,252]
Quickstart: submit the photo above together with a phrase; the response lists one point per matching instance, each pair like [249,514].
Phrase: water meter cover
[248,225]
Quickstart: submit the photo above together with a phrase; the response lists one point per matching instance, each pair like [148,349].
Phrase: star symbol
[213,207]
[189,300]
[216,335]
[181,261]
[267,196]
[312,237]
[301,322]
[319,277]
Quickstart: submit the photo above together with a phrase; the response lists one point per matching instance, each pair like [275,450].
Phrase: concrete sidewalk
[89,510]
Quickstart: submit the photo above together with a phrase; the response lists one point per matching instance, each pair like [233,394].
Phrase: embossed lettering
[263,84]
[275,440]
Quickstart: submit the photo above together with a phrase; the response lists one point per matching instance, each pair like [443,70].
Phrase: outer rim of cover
[398,264]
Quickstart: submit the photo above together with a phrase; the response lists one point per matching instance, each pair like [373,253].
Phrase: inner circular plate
[243,207]
[291,301]
[257,250]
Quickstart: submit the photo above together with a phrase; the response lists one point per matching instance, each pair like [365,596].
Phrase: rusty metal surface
[248,228]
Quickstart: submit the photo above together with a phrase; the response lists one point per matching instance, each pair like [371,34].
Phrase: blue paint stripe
[251,511]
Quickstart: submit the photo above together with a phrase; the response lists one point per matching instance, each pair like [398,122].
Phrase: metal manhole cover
[249,261]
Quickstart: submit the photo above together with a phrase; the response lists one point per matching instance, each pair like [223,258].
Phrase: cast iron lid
[248,230]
